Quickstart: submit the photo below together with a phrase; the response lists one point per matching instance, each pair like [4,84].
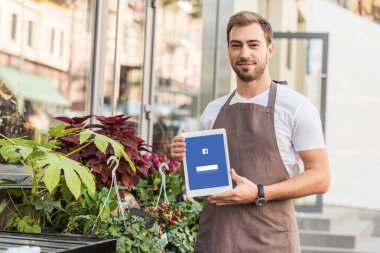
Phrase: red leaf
[135,180]
[78,120]
[74,156]
[108,168]
[123,167]
[65,119]
[72,139]
[125,180]
[90,150]
[93,161]
[104,175]
[100,155]
[75,120]
[96,168]
[94,126]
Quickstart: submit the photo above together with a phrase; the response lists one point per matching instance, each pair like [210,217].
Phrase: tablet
[206,163]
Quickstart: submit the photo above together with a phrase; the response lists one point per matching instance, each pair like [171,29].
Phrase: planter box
[57,243]
[15,172]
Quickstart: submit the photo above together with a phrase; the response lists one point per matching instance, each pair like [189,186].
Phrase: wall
[353,102]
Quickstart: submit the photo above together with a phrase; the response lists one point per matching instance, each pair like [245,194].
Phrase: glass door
[177,70]
[301,60]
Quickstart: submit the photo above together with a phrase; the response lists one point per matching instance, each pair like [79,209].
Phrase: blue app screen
[206,162]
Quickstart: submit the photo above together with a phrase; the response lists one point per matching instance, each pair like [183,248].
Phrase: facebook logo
[205,151]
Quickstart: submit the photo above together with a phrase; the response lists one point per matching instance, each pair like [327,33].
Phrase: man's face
[248,52]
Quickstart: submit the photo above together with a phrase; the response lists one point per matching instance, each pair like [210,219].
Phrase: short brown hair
[244,18]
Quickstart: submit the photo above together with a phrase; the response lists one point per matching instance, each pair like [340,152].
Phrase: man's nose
[245,53]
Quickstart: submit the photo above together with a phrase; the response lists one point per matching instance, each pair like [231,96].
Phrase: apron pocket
[259,232]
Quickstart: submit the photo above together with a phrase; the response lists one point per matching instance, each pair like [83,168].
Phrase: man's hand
[178,147]
[245,192]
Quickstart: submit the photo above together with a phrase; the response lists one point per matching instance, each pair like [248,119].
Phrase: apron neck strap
[272,97]
[230,98]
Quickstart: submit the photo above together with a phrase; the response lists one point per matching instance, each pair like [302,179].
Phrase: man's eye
[253,45]
[235,45]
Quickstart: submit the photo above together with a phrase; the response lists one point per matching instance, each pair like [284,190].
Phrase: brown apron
[254,154]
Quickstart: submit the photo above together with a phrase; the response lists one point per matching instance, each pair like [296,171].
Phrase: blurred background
[162,61]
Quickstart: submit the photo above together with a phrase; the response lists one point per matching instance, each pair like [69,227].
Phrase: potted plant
[71,181]
[52,174]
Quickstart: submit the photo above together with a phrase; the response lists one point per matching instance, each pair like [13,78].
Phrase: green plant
[180,222]
[180,239]
[118,128]
[44,164]
[131,234]
[53,174]
[133,237]
[147,190]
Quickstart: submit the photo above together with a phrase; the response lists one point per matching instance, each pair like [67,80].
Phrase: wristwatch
[260,200]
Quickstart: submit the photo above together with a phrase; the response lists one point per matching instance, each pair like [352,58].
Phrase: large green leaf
[56,162]
[84,135]
[52,174]
[14,149]
[9,153]
[102,142]
[72,181]
[84,173]
[59,131]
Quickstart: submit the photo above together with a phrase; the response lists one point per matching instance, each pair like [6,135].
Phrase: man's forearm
[314,180]
[307,183]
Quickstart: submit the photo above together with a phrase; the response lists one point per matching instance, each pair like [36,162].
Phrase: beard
[247,75]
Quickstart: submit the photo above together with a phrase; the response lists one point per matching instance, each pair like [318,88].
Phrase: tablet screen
[206,162]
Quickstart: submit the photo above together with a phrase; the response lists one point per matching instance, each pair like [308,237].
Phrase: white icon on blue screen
[205,151]
[207,168]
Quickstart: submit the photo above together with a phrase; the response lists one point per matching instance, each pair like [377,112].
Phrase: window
[61,41]
[30,33]
[52,39]
[46,86]
[14,27]
[88,16]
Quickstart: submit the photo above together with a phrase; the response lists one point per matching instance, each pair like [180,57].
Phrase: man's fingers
[178,147]
[222,196]
[238,179]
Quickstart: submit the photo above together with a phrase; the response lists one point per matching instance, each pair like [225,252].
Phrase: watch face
[261,201]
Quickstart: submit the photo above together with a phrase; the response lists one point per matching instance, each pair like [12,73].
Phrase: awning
[31,87]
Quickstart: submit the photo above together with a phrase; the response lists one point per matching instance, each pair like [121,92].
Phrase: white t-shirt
[297,123]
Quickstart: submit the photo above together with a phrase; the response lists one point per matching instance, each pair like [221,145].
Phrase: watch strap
[260,193]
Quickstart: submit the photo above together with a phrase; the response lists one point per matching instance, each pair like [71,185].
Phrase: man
[269,128]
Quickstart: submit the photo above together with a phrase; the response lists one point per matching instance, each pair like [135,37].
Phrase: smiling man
[270,129]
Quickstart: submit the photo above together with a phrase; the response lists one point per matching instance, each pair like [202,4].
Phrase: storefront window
[178,69]
[45,54]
